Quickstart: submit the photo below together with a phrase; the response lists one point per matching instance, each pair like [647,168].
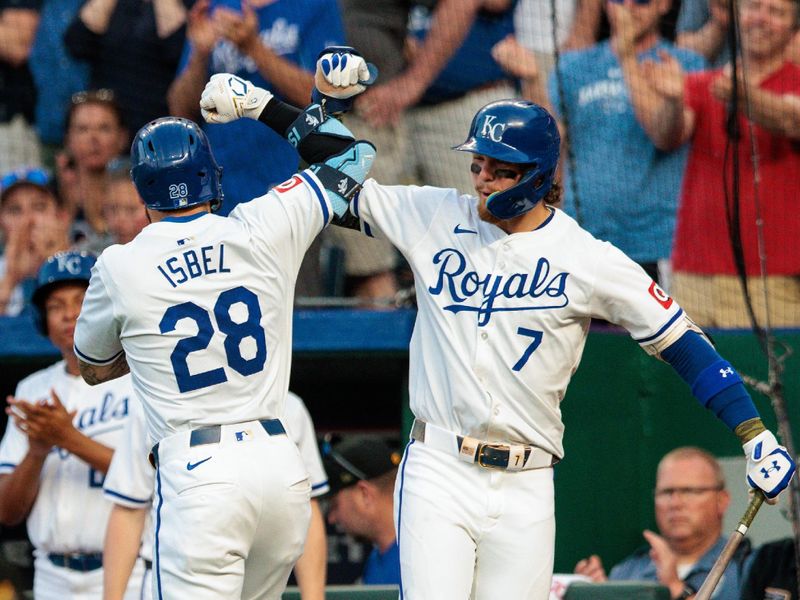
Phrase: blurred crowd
[684,163]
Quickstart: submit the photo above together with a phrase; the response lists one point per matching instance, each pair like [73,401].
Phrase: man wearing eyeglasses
[690,503]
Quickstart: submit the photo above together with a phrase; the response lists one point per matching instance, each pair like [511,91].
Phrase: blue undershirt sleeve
[712,379]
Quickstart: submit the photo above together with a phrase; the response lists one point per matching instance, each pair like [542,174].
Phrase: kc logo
[494,131]
[69,263]
[765,472]
[725,372]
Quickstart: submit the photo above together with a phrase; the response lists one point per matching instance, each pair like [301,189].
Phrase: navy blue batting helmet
[60,268]
[518,132]
[172,165]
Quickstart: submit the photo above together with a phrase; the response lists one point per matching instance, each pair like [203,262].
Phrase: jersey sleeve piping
[6,468]
[367,228]
[320,195]
[318,489]
[96,361]
[663,329]
[116,496]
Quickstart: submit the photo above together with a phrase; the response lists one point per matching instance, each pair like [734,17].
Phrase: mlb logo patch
[243,436]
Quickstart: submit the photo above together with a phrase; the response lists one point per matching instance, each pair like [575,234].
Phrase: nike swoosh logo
[190,466]
[458,230]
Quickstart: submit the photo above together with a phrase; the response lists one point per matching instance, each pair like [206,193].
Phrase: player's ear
[366,491]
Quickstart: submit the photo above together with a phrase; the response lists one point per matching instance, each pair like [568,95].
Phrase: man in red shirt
[679,108]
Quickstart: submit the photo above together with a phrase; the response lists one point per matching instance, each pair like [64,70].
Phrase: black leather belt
[77,562]
[148,564]
[212,434]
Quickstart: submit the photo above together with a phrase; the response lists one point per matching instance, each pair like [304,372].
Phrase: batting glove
[343,73]
[227,97]
[769,466]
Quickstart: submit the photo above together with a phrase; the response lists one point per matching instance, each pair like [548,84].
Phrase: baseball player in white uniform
[58,445]
[130,485]
[506,287]
[199,308]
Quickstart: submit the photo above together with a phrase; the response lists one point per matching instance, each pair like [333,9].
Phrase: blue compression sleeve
[714,382]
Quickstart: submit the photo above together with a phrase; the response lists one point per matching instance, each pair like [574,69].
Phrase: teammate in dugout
[199,308]
[58,445]
[506,286]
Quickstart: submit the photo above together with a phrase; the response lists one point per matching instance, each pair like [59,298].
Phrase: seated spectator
[361,474]
[772,573]
[601,105]
[133,48]
[677,108]
[18,142]
[690,503]
[33,226]
[95,135]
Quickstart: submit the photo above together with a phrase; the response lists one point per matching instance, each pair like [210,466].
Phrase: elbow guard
[343,174]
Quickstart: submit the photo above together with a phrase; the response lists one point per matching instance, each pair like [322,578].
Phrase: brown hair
[101,97]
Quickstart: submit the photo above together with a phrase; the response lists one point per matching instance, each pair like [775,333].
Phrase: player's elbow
[89,373]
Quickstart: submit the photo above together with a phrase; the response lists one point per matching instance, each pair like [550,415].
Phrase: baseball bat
[705,591]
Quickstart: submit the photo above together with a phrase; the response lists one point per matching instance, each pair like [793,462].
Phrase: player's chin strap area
[342,174]
[490,455]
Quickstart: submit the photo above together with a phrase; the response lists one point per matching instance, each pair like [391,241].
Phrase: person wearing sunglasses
[34,226]
[690,503]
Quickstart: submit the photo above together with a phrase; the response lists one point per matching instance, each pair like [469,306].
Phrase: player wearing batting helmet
[199,308]
[58,446]
[506,287]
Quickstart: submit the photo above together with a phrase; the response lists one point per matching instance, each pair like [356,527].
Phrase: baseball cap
[356,458]
[25,176]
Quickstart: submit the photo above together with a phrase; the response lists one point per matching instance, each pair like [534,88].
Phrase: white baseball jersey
[131,478]
[198,355]
[70,513]
[503,319]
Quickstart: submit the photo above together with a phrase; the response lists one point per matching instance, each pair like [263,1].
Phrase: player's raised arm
[338,160]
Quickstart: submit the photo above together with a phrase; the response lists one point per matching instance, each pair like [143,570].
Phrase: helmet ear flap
[522,197]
